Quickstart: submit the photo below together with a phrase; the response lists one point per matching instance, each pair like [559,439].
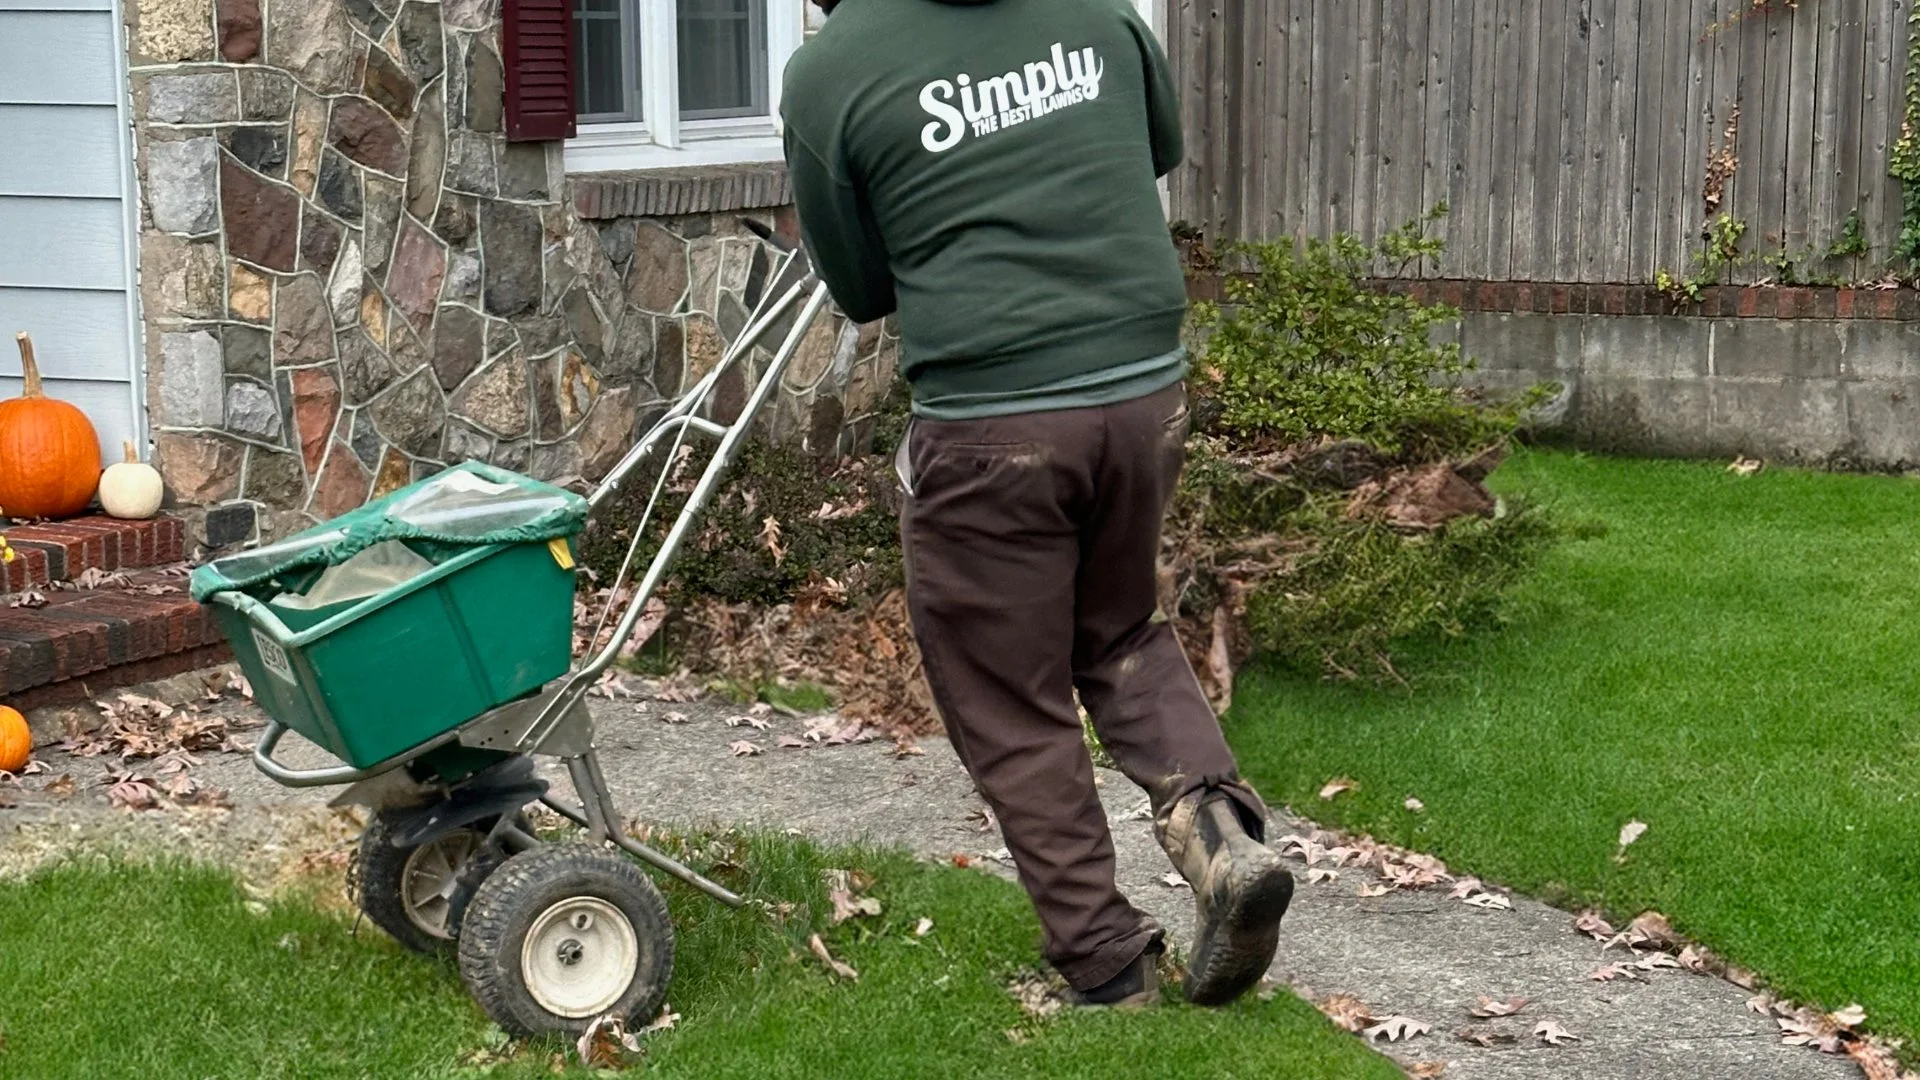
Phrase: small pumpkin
[16,742]
[131,489]
[49,453]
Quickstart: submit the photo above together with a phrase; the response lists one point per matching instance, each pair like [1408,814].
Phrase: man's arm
[840,234]
[1163,101]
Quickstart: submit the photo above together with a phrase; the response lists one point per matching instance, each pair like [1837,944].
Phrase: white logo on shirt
[995,104]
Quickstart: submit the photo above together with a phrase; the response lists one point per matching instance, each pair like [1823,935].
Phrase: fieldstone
[364,132]
[247,350]
[730,394]
[463,277]
[413,279]
[732,317]
[428,155]
[588,326]
[523,171]
[486,88]
[320,238]
[510,238]
[412,414]
[252,410]
[369,15]
[197,469]
[867,386]
[616,240]
[407,349]
[470,164]
[395,473]
[557,464]
[182,186]
[631,357]
[365,439]
[207,97]
[607,434]
[343,288]
[175,29]
[249,295]
[756,283]
[342,485]
[496,398]
[669,357]
[824,425]
[693,226]
[512,455]
[190,382]
[577,390]
[736,260]
[472,14]
[540,334]
[454,222]
[418,26]
[425,469]
[229,525]
[239,30]
[275,478]
[501,336]
[543,378]
[309,136]
[364,369]
[703,277]
[383,215]
[263,149]
[302,322]
[466,444]
[704,347]
[183,279]
[373,313]
[814,356]
[389,85]
[262,218]
[657,277]
[313,40]
[459,344]
[265,94]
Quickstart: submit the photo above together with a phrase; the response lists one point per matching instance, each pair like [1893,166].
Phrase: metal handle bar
[337,774]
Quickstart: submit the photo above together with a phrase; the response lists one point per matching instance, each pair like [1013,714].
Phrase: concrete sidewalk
[1416,954]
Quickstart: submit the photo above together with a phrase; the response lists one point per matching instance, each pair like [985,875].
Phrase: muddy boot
[1240,887]
[1136,987]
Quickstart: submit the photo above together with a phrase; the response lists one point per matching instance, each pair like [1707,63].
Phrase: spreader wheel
[411,892]
[561,936]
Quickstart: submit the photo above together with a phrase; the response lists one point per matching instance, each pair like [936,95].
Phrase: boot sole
[1233,952]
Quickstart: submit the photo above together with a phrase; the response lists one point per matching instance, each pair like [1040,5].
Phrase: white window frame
[661,139]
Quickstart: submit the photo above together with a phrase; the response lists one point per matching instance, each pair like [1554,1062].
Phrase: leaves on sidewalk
[1552,1034]
[743,748]
[1395,1029]
[1489,1008]
[1347,1012]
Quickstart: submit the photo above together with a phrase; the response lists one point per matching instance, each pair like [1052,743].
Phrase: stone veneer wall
[350,278]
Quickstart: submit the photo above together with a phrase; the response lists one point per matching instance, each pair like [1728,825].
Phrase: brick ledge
[702,189]
[1716,301]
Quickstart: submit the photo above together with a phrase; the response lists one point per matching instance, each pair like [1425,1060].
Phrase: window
[660,83]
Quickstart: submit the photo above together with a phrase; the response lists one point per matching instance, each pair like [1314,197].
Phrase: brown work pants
[1032,545]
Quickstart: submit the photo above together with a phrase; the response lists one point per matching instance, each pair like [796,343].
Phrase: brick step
[64,550]
[102,637]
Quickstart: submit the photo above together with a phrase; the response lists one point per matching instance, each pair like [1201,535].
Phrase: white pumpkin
[131,489]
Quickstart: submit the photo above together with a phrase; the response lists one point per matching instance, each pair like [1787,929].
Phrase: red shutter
[538,43]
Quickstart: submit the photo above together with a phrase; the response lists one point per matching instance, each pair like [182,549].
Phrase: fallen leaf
[1464,888]
[126,791]
[743,748]
[1037,997]
[981,818]
[1876,1062]
[905,747]
[1652,930]
[1347,1012]
[1416,806]
[1591,924]
[674,718]
[1427,1070]
[1396,1029]
[1698,960]
[839,969]
[770,537]
[664,1022]
[1614,971]
[613,685]
[1484,1038]
[1656,961]
[34,767]
[1553,1034]
[1745,466]
[1322,876]
[1368,892]
[790,742]
[1760,1003]
[1490,901]
[753,722]
[923,927]
[1808,1028]
[1489,1008]
[606,1043]
[61,785]
[848,906]
[28,599]
[1851,1016]
[1336,787]
[1631,831]
[1173,880]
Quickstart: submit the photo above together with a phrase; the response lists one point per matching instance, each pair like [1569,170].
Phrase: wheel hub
[580,956]
[431,876]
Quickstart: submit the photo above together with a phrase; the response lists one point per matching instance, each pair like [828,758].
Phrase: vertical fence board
[1848,78]
[1659,129]
[1437,153]
[1798,232]
[1596,141]
[1300,77]
[1503,190]
[1366,116]
[1680,201]
[1546,153]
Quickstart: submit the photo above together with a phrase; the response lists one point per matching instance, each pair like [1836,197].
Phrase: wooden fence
[1569,137]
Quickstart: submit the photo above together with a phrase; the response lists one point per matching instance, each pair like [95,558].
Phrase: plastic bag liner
[467,506]
[388,564]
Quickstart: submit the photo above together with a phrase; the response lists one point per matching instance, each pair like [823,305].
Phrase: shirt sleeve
[840,234]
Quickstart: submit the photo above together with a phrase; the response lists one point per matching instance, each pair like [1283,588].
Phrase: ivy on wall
[1904,160]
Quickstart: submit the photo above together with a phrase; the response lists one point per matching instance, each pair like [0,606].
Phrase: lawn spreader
[426,641]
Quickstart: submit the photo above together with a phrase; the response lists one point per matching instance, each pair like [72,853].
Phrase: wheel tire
[561,936]
[389,880]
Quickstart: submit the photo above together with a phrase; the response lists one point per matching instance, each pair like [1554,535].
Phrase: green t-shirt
[987,169]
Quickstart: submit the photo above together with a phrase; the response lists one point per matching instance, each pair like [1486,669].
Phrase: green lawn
[1735,662]
[114,969]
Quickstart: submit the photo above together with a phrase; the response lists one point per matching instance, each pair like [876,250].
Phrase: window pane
[600,75]
[723,58]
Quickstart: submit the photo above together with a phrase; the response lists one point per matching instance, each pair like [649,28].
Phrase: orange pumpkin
[16,742]
[49,453]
